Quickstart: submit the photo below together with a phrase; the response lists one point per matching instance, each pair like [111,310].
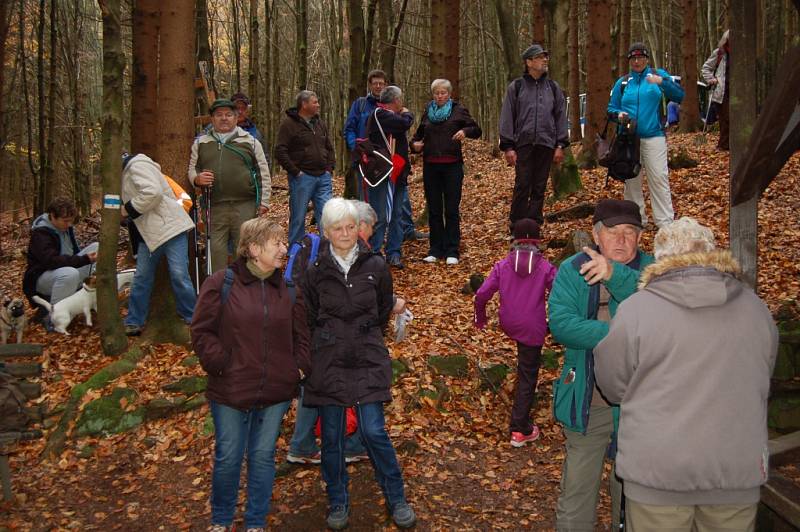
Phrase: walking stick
[196,216]
[207,194]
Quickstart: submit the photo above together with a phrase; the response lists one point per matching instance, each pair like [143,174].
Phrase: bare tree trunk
[743,223]
[357,46]
[144,92]
[537,30]
[624,36]
[252,70]
[301,20]
[598,75]
[389,55]
[508,34]
[444,61]
[237,45]
[41,183]
[112,336]
[559,46]
[204,51]
[690,108]
[5,23]
[574,75]
[35,172]
[49,173]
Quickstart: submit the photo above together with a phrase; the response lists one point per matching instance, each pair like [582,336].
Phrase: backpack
[12,402]
[298,260]
[181,197]
[375,163]
[623,156]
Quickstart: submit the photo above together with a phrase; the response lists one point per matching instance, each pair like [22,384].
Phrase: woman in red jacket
[250,333]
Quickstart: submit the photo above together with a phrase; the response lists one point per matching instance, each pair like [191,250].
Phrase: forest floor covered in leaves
[460,471]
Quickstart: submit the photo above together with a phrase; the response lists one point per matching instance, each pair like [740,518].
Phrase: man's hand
[596,270]
[417,146]
[92,256]
[558,156]
[713,81]
[399,306]
[511,157]
[262,211]
[204,179]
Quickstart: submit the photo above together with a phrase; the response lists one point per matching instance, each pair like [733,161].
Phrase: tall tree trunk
[574,75]
[204,51]
[559,47]
[598,75]
[357,45]
[537,30]
[508,35]
[369,38]
[144,79]
[237,46]
[41,184]
[690,108]
[5,23]
[624,41]
[743,222]
[389,55]
[301,20]
[176,98]
[112,336]
[35,172]
[253,65]
[49,174]
[444,60]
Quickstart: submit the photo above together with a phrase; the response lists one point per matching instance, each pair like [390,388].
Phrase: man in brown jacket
[305,150]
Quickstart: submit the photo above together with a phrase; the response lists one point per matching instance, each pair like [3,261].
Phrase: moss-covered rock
[399,368]
[784,414]
[188,385]
[110,414]
[681,159]
[190,361]
[575,243]
[492,377]
[549,359]
[451,366]
[208,425]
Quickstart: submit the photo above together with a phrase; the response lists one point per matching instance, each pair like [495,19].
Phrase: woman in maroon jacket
[250,333]
[444,125]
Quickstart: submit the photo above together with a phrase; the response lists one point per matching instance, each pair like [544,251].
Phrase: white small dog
[62,313]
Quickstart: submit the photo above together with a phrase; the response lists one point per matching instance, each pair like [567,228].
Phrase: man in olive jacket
[305,150]
[586,292]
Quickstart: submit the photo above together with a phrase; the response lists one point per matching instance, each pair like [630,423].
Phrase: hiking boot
[356,458]
[338,516]
[133,330]
[255,529]
[313,459]
[430,259]
[395,262]
[220,528]
[452,261]
[403,516]
[519,439]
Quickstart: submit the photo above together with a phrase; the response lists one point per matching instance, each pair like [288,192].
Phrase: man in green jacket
[231,163]
[586,292]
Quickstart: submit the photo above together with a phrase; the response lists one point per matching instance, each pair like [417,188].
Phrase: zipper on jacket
[264,304]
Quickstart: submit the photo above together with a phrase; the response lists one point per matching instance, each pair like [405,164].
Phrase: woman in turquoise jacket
[637,96]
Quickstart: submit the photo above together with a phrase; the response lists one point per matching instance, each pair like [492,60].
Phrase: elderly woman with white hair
[688,358]
[445,124]
[349,299]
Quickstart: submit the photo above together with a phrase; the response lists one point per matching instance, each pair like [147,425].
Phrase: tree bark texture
[41,182]
[49,172]
[144,78]
[389,53]
[355,16]
[5,9]
[690,107]
[743,223]
[112,336]
[301,40]
[598,74]
[559,44]
[624,40]
[444,62]
[537,30]
[508,35]
[253,59]
[204,51]
[574,75]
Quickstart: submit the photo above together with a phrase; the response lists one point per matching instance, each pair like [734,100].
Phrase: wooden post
[743,221]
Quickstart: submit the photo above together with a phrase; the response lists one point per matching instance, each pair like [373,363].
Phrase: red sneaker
[519,439]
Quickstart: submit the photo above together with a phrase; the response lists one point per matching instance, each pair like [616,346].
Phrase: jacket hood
[239,267]
[523,260]
[694,280]
[43,221]
[293,112]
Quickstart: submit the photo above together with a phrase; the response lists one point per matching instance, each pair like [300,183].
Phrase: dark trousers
[443,196]
[530,183]
[724,124]
[528,360]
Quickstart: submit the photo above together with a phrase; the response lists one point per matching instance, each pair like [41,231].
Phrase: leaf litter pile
[451,433]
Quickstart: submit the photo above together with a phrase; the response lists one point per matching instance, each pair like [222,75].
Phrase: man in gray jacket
[533,133]
[689,358]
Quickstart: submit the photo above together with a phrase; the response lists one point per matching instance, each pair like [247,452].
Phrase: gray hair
[336,210]
[365,211]
[391,94]
[685,235]
[304,96]
[444,83]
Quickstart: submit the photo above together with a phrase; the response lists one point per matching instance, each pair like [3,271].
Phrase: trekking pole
[207,194]
[708,113]
[196,216]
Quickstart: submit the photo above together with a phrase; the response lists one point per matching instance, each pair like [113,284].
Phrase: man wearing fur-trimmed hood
[689,358]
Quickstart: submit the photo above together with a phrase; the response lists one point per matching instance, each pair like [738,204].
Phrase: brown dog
[12,318]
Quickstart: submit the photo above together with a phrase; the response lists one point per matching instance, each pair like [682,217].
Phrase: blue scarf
[438,114]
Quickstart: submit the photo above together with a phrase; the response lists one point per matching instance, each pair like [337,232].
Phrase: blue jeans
[394,239]
[304,443]
[302,189]
[381,453]
[62,282]
[255,431]
[406,216]
[177,251]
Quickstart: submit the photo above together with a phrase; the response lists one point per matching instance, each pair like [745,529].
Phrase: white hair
[391,94]
[336,210]
[365,211]
[684,235]
[441,83]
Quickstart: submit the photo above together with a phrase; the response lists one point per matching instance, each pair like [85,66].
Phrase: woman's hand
[417,146]
[459,136]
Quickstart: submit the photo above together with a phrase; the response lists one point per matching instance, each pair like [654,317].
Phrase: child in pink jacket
[522,278]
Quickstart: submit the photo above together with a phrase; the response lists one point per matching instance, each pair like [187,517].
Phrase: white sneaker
[429,259]
[451,261]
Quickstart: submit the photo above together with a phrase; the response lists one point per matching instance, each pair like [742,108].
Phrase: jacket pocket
[565,398]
